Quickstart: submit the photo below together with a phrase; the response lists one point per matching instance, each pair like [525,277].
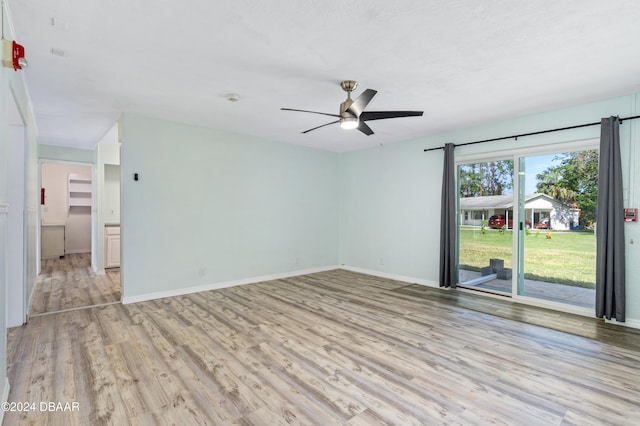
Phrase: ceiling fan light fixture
[349,123]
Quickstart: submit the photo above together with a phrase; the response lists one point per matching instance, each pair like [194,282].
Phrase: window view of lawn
[567,258]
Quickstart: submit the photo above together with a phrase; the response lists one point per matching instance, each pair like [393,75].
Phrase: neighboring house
[541,210]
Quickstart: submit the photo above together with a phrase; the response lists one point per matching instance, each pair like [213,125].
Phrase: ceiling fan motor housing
[347,120]
[344,106]
[348,86]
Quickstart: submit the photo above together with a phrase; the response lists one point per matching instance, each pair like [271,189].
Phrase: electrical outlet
[202,272]
[381,261]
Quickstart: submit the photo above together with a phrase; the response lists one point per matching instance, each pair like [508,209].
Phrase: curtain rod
[532,133]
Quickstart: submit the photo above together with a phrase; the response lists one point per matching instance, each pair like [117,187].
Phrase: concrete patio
[576,296]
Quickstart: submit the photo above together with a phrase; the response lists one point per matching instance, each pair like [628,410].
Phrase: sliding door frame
[517,244]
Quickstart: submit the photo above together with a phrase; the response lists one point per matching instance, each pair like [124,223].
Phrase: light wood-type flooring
[70,283]
[332,348]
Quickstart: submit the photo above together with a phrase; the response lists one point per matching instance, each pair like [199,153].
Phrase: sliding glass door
[557,196]
[526,224]
[486,222]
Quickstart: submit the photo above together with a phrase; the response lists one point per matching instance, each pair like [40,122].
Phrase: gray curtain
[448,276]
[610,274]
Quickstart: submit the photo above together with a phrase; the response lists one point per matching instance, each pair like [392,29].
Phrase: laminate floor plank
[304,377]
[209,387]
[330,348]
[70,283]
[133,403]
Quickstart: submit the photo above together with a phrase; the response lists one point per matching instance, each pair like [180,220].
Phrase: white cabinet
[52,241]
[79,190]
[112,246]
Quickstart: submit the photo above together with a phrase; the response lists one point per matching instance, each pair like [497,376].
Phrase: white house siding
[537,208]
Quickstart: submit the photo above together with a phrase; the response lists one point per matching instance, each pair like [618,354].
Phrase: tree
[489,178]
[574,182]
[551,182]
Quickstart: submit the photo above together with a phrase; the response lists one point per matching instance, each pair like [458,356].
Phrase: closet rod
[532,133]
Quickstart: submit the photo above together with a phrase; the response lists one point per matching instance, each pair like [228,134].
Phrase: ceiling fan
[352,114]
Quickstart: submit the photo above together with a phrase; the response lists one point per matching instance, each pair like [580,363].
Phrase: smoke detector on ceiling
[232,97]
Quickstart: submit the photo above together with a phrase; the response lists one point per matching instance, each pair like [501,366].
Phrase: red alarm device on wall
[13,55]
[630,215]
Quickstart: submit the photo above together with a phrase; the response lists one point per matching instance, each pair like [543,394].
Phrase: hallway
[70,283]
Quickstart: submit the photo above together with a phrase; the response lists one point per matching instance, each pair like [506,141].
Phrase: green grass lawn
[565,258]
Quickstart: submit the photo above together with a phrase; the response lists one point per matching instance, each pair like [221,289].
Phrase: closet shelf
[79,190]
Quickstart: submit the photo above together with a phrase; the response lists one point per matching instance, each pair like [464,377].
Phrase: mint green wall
[61,153]
[390,195]
[231,206]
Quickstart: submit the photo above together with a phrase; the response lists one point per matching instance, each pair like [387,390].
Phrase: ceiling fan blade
[333,122]
[362,126]
[312,112]
[380,115]
[361,102]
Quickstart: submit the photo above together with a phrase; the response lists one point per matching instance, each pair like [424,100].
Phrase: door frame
[515,154]
[16,293]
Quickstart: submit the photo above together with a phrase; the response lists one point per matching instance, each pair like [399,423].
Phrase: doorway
[526,225]
[67,279]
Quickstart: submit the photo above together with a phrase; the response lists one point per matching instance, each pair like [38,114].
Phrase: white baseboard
[216,286]
[5,396]
[403,278]
[632,323]
[77,251]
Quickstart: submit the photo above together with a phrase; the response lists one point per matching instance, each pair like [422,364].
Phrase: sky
[534,166]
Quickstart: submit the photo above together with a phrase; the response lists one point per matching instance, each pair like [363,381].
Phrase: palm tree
[550,182]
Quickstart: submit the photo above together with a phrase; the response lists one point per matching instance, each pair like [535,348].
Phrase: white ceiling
[464,62]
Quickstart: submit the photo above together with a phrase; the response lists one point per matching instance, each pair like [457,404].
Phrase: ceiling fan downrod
[347,120]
